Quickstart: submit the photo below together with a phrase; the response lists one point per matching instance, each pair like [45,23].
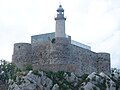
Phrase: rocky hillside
[12,78]
[40,80]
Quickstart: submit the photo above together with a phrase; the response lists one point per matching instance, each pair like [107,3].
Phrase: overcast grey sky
[92,22]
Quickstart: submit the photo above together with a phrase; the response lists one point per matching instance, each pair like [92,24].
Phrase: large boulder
[31,82]
[100,81]
[64,81]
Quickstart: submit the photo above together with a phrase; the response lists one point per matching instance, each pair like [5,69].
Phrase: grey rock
[90,86]
[56,87]
[34,82]
[46,82]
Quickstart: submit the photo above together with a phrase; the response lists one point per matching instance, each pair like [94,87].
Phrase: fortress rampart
[22,54]
[57,52]
[103,62]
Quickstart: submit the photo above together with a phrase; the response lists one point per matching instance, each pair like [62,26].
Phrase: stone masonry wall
[22,54]
[59,54]
[41,53]
[59,67]
[60,51]
[103,62]
[86,59]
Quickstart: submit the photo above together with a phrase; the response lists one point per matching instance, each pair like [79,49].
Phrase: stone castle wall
[22,54]
[41,52]
[86,59]
[60,51]
[103,62]
[59,67]
[60,54]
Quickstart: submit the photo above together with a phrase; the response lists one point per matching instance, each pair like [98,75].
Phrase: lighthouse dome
[60,9]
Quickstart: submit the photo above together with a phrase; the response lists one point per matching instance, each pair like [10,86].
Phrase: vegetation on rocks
[29,79]
[7,71]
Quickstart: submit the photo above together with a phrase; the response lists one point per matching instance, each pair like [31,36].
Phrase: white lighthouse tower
[60,23]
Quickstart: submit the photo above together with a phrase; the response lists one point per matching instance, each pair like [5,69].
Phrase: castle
[57,52]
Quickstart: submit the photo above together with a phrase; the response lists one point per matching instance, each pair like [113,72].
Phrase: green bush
[36,72]
[8,71]
[27,67]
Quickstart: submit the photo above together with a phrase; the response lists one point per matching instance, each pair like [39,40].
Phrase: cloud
[111,45]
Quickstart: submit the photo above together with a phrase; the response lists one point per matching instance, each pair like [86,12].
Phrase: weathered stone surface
[71,78]
[31,82]
[55,87]
[90,86]
[93,81]
[99,82]
[47,51]
[59,67]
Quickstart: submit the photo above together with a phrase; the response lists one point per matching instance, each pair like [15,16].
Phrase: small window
[18,46]
[53,40]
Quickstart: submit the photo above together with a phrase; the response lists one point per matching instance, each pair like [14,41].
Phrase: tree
[7,71]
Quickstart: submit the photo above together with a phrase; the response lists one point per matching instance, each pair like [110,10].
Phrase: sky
[93,22]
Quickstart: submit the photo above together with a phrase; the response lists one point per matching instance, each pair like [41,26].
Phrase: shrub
[27,67]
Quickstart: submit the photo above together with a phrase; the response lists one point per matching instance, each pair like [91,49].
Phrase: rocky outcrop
[99,82]
[39,80]
[31,81]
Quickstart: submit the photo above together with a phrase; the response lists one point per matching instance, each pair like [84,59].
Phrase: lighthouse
[60,23]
